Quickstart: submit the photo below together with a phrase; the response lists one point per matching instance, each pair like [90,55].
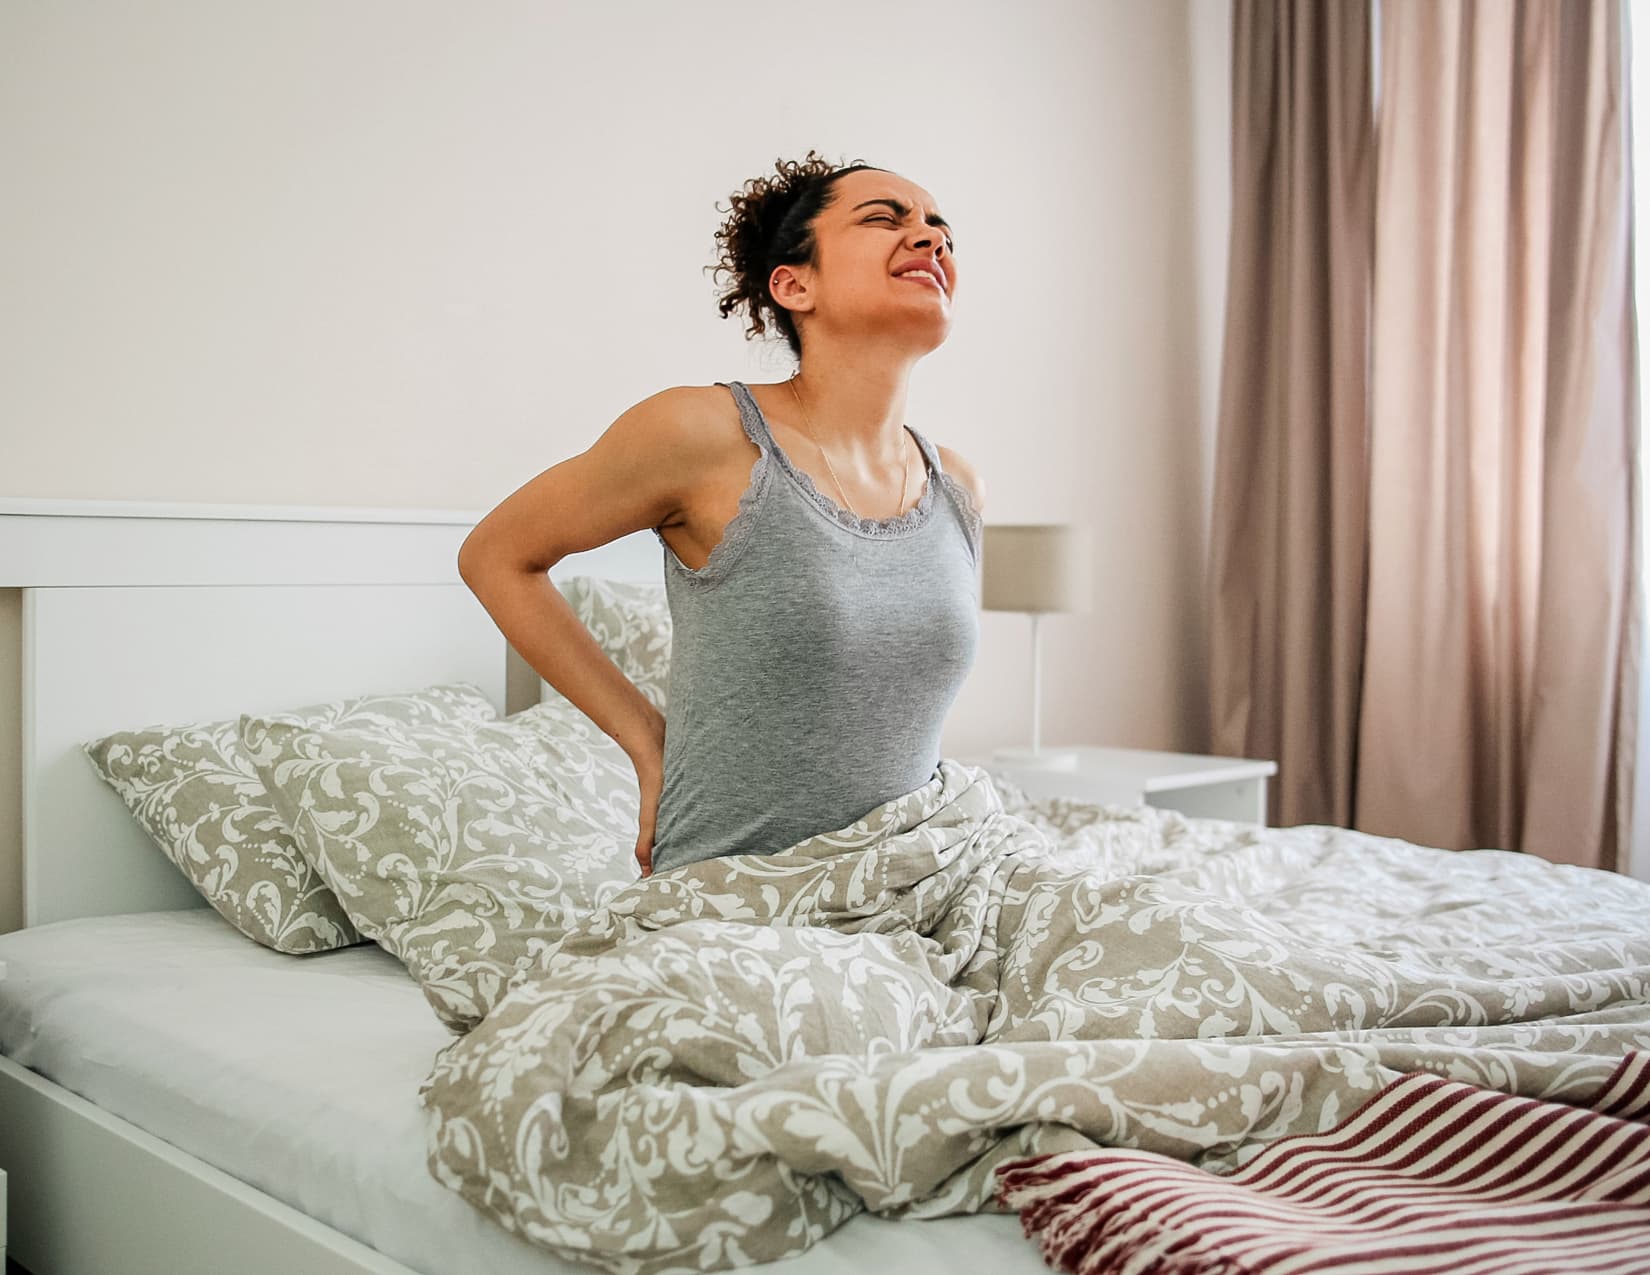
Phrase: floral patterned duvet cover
[727,1061]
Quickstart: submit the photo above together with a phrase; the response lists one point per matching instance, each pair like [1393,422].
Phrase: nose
[928,238]
[930,241]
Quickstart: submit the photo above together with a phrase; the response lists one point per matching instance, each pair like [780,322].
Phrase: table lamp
[1038,569]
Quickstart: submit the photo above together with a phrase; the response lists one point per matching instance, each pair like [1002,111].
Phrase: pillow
[198,795]
[461,847]
[630,621]
[584,765]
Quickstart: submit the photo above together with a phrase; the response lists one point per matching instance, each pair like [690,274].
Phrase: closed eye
[950,245]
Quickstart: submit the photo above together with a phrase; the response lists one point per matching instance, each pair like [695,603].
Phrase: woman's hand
[650,780]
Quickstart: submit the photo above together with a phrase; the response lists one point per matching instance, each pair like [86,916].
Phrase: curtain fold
[1288,525]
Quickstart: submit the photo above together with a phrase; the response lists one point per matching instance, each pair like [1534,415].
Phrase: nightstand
[1200,787]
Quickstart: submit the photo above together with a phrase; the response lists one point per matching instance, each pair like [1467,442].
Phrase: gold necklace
[905,481]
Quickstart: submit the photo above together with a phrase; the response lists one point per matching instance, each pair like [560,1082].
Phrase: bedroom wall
[406,253]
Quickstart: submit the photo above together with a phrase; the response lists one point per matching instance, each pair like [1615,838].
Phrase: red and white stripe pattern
[1429,1175]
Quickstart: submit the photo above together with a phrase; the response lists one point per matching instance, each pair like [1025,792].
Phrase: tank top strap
[756,427]
[928,452]
[961,500]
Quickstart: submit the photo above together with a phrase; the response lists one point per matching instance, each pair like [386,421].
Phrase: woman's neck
[856,409]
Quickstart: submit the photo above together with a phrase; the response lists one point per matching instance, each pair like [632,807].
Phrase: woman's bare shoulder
[966,475]
[694,417]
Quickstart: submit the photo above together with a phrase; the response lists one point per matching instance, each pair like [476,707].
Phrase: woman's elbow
[484,558]
[477,558]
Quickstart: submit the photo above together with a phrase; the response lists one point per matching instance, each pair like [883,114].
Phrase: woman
[821,559]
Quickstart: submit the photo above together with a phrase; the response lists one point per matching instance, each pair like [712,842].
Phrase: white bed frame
[135,614]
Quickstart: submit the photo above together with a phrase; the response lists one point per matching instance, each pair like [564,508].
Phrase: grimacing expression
[876,225]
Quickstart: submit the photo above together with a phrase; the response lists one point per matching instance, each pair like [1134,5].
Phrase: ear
[790,289]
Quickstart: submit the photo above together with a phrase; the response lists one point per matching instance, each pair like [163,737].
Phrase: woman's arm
[636,475]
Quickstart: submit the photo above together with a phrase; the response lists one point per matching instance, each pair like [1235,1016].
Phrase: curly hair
[770,223]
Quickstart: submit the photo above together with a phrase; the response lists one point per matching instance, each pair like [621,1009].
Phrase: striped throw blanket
[1429,1175]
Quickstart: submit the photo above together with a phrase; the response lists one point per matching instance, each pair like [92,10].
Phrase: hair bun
[770,223]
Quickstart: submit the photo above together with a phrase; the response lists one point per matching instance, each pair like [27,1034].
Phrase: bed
[126,1132]
[175,1098]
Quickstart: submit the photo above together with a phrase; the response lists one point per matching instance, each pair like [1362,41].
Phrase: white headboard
[136,614]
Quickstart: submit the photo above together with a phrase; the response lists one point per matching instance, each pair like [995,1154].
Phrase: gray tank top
[813,658]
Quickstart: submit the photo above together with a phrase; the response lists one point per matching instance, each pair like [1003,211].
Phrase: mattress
[299,1075]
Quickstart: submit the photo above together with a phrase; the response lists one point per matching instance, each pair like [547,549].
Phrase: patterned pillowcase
[631,623]
[585,766]
[197,794]
[460,847]
[630,620]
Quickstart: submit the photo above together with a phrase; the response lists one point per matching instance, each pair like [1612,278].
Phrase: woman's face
[876,228]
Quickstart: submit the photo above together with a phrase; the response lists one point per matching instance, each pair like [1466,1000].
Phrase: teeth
[905,274]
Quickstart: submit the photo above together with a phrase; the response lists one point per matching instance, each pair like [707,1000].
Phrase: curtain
[1289,521]
[1501,429]
[1489,489]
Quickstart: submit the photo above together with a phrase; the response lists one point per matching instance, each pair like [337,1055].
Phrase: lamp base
[1036,758]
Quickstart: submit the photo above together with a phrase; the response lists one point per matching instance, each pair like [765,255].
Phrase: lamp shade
[1036,567]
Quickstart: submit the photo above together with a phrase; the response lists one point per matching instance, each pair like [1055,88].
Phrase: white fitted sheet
[300,1075]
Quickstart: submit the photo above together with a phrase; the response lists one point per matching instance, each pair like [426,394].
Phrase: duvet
[724,1062]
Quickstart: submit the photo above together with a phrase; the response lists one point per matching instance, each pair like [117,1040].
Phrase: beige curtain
[1288,531]
[1495,693]
[1501,431]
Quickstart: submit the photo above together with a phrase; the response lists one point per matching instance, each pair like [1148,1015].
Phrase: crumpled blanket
[1435,1176]
[727,1061]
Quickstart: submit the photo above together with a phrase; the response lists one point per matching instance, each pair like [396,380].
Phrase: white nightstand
[1202,787]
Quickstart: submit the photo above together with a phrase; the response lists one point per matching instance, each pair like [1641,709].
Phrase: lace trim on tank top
[734,533]
[893,525]
[973,520]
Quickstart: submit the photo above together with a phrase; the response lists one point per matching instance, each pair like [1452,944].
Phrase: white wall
[398,252]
